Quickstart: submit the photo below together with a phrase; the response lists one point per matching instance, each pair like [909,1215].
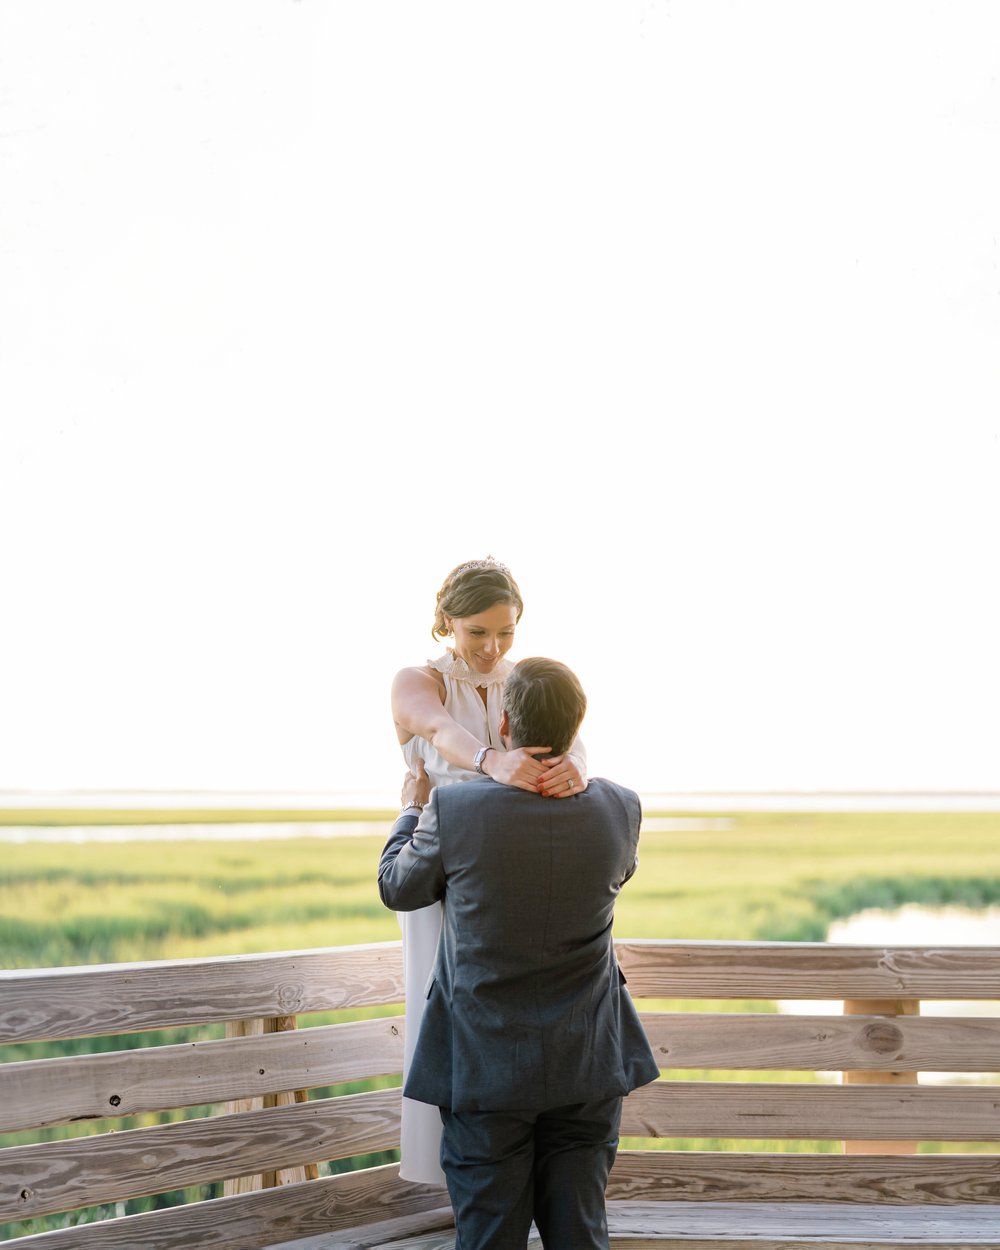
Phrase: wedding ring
[569,785]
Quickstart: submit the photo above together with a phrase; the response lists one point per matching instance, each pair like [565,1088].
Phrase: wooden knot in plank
[882,1037]
[291,997]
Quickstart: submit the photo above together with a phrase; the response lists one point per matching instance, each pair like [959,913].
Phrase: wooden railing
[279,1131]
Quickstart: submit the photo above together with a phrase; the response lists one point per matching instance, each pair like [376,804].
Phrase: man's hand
[417,786]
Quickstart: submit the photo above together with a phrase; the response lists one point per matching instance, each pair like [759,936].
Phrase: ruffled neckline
[452,665]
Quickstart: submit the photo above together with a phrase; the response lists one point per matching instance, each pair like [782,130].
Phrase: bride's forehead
[500,616]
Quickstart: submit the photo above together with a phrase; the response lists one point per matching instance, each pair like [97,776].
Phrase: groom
[529,1038]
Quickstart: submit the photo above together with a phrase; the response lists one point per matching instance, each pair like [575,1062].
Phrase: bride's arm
[418,708]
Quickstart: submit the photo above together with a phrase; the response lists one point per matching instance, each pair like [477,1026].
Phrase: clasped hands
[551,777]
[559,777]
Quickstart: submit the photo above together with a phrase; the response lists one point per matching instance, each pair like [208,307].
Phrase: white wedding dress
[420,1134]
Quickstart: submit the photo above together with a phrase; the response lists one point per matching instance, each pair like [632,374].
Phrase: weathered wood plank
[85,1171]
[439,1221]
[92,1001]
[733,1176]
[735,1224]
[128,998]
[742,1226]
[823,1043]
[43,1092]
[835,1112]
[252,1221]
[657,969]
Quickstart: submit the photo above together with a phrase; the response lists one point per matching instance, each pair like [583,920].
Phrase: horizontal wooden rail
[251,1221]
[45,1092]
[130,998]
[87,1171]
[122,998]
[789,970]
[40,1093]
[732,1176]
[812,1112]
[823,1043]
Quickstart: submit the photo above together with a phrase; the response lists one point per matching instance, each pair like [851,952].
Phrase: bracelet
[412,803]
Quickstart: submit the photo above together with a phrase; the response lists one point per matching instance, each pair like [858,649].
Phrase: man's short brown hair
[545,703]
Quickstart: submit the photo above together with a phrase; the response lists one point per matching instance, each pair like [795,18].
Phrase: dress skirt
[420,1131]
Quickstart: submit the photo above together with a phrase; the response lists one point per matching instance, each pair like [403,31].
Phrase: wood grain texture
[276,1098]
[773,970]
[835,1112]
[898,1075]
[251,1221]
[43,1092]
[93,1001]
[732,1176]
[84,1171]
[439,1221]
[743,1226]
[823,1043]
[128,998]
[286,1098]
[248,1181]
[770,1224]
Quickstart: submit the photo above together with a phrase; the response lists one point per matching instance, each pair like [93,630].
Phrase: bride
[447,716]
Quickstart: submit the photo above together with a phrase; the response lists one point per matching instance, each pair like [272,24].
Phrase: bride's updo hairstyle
[472,588]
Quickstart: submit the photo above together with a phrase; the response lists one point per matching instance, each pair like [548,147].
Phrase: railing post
[267,1180]
[881,1007]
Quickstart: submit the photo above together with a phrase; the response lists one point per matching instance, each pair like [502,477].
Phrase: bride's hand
[516,768]
[562,777]
[416,786]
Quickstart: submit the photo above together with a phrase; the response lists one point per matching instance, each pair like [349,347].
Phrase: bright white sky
[686,310]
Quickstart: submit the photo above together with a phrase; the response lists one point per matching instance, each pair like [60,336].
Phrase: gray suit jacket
[527,1008]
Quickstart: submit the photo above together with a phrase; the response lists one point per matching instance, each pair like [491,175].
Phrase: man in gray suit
[529,1038]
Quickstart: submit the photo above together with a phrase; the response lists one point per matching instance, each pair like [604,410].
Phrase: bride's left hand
[561,770]
[416,786]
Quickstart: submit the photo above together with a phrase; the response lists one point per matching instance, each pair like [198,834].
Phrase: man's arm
[410,872]
[635,812]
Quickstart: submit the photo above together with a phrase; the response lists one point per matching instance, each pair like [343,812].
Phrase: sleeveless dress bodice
[465,706]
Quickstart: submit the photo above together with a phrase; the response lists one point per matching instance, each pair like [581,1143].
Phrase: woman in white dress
[447,716]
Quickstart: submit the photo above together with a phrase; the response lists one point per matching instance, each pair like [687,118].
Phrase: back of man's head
[545,703]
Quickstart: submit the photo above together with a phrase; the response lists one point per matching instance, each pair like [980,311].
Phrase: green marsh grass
[767,876]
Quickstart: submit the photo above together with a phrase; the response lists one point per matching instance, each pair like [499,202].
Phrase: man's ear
[504,724]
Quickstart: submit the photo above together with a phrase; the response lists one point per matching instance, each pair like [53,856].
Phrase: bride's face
[484,639]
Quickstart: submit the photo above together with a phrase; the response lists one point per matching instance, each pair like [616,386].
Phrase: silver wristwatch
[480,756]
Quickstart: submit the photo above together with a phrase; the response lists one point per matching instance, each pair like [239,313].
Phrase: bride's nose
[493,646]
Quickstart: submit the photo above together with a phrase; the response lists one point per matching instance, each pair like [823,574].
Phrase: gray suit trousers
[506,1167]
